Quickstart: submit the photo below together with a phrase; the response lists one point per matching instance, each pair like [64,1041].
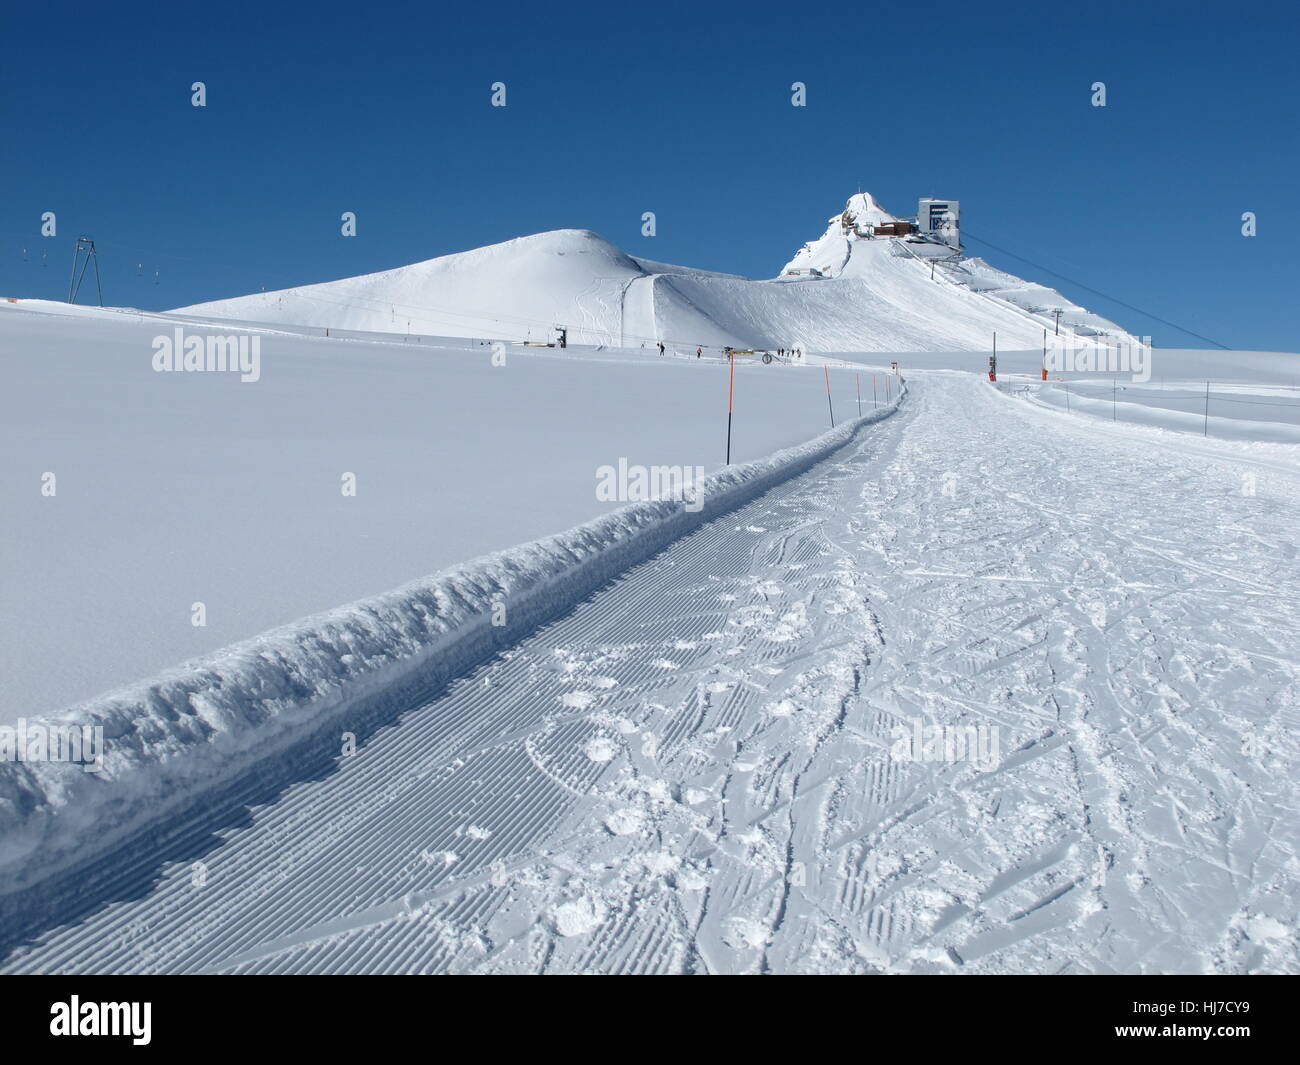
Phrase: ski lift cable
[1095,292]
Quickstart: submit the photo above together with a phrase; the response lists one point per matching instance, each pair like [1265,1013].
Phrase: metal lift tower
[74,283]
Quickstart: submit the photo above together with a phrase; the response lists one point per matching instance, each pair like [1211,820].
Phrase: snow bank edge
[170,739]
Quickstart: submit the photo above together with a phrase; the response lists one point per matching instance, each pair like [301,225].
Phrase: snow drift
[170,739]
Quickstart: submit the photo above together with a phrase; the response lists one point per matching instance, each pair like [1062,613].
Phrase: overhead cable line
[1095,292]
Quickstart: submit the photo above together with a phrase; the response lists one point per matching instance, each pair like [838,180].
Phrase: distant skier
[661,347]
[697,352]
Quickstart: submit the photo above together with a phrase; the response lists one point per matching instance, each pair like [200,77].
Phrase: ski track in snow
[692,770]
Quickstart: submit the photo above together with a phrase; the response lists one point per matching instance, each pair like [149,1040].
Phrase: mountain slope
[855,292]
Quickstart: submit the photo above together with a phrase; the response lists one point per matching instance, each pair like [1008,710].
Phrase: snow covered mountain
[852,250]
[831,254]
[996,685]
[849,290]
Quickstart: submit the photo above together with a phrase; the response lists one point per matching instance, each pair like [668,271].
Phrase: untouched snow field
[709,766]
[177,488]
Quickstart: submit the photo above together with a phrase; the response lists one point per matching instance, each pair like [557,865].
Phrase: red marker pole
[827,371]
[857,377]
[731,391]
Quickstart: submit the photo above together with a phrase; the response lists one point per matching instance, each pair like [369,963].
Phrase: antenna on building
[74,282]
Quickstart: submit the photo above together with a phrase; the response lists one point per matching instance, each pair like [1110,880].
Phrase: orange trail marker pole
[731,391]
[827,371]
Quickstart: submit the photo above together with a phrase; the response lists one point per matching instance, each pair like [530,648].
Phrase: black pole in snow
[731,393]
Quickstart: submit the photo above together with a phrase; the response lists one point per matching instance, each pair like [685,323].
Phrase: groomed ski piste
[968,684]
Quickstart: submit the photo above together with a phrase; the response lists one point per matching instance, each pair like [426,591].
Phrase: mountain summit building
[940,219]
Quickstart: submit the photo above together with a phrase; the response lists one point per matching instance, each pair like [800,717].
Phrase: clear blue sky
[678,108]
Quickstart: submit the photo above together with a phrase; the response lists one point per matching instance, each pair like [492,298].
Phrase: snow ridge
[178,736]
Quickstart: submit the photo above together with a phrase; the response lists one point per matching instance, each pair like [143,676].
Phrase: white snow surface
[1248,396]
[1121,617]
[196,726]
[176,488]
[657,741]
[878,295]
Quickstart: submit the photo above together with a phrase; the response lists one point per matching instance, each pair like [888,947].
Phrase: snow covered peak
[862,210]
[827,255]
[539,249]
